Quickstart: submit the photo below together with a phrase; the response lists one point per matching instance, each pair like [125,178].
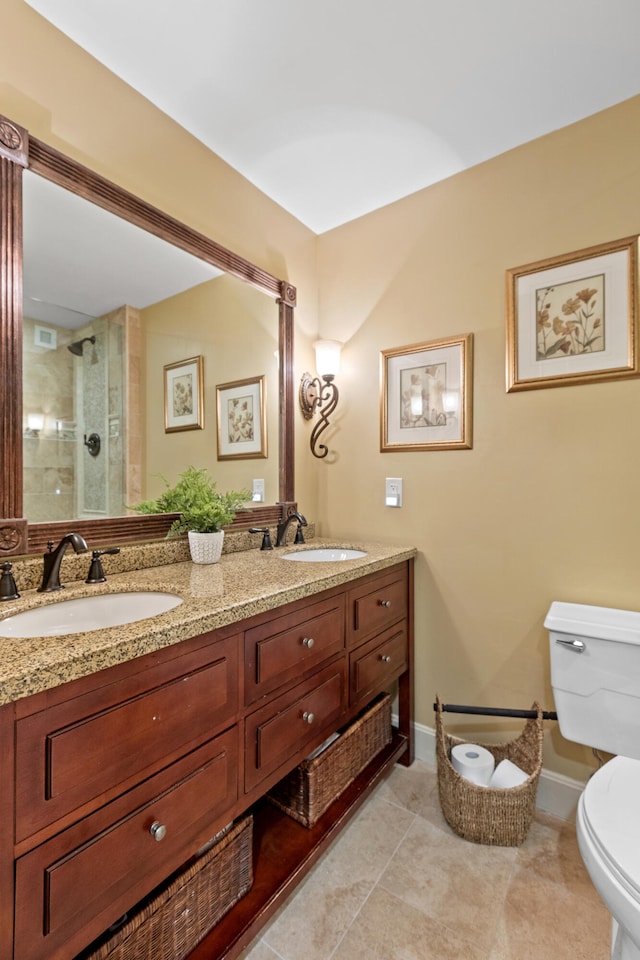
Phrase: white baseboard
[557,794]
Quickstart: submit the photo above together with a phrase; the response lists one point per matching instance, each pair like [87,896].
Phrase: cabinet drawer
[98,745]
[72,887]
[286,648]
[281,731]
[377,604]
[376,663]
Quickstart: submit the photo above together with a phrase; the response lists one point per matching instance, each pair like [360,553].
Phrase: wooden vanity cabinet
[73,886]
[377,662]
[295,721]
[378,633]
[380,600]
[111,782]
[288,647]
[92,746]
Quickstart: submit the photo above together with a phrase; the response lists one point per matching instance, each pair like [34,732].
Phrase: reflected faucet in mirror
[53,558]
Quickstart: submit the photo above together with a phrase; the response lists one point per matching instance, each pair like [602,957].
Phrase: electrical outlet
[393,491]
[258,491]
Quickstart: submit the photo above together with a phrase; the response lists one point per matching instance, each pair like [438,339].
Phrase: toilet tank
[595,675]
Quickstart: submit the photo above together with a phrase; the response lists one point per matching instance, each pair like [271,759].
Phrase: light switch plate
[393,491]
[258,491]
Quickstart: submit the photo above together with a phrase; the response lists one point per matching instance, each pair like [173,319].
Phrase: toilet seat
[609,812]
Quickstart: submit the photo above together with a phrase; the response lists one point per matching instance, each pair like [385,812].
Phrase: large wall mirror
[103,297]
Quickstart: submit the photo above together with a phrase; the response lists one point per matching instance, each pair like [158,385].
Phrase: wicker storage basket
[313,785]
[169,923]
[484,814]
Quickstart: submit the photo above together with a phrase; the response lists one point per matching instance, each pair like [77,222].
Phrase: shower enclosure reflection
[74,382]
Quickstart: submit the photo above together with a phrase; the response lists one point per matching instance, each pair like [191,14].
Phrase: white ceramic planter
[205,547]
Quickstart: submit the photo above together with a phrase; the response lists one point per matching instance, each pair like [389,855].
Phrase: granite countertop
[239,586]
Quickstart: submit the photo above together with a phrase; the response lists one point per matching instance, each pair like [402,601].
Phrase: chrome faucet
[283,527]
[53,558]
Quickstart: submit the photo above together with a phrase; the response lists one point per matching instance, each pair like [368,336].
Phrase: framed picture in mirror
[242,419]
[183,395]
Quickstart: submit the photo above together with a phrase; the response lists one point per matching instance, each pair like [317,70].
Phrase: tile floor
[398,884]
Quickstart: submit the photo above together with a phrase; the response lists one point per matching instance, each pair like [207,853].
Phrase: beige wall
[544,506]
[232,326]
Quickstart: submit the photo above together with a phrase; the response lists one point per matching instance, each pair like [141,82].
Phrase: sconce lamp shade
[327,357]
[35,421]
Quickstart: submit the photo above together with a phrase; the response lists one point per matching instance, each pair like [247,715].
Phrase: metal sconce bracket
[323,397]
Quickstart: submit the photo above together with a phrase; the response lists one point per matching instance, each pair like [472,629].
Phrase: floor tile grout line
[375,883]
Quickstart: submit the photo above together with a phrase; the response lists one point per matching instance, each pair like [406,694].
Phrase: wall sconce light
[321,396]
[35,423]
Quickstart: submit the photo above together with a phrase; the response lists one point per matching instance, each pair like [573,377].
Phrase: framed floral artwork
[183,395]
[426,395]
[242,419]
[573,319]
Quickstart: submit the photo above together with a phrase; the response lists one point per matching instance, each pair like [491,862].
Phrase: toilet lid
[610,803]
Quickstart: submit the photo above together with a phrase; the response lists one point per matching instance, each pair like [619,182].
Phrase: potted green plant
[203,511]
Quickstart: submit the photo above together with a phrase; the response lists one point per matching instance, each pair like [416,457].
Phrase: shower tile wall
[133,405]
[60,479]
[91,399]
[49,457]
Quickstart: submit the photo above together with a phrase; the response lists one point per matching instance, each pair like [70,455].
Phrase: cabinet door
[103,742]
[373,665]
[280,732]
[377,603]
[288,647]
[69,889]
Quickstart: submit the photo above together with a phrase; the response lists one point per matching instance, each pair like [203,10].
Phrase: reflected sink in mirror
[324,555]
[87,613]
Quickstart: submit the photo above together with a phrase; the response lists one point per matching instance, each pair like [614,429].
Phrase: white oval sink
[87,613]
[324,555]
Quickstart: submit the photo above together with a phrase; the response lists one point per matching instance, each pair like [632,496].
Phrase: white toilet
[595,674]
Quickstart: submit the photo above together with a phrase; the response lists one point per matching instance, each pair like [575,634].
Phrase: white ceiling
[335,108]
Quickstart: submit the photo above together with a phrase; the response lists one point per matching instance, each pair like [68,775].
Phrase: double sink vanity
[126,747]
[131,733]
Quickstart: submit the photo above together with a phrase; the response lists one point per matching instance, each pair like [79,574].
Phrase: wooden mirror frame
[17,152]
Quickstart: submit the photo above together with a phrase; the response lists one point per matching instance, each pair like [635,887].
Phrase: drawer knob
[385,603]
[307,642]
[158,830]
[308,717]
[385,658]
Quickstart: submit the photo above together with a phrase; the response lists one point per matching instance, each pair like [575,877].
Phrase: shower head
[76,347]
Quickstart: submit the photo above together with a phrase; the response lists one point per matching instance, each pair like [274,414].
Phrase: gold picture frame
[184,395]
[572,319]
[242,419]
[426,395]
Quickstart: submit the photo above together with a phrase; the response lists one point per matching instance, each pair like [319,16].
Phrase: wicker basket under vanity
[178,915]
[313,785]
[484,814]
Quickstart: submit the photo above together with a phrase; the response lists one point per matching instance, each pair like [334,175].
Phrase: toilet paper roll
[473,762]
[507,774]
